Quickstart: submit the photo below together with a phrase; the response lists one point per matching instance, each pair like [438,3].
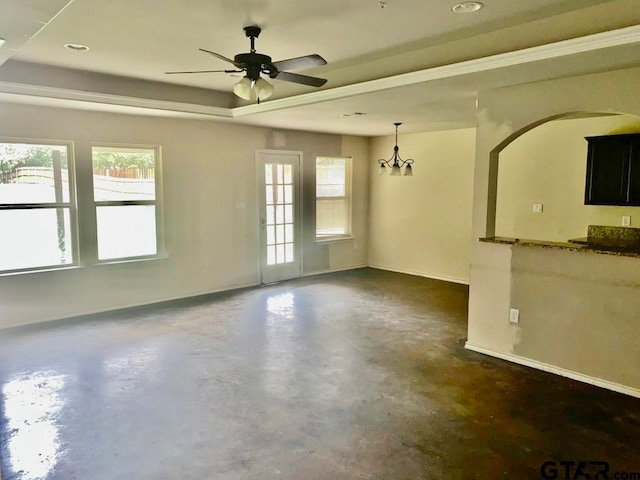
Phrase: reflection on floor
[353,375]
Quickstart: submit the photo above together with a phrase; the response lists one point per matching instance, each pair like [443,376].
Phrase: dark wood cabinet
[613,170]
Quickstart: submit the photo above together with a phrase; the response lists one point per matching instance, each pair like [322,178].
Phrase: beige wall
[548,165]
[211,239]
[580,311]
[353,253]
[500,280]
[422,224]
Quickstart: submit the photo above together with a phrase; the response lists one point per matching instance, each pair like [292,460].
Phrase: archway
[539,178]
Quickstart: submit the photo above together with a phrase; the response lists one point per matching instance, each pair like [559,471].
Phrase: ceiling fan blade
[206,71]
[221,57]
[301,79]
[300,63]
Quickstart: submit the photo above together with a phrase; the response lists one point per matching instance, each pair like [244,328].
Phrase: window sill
[62,268]
[122,261]
[11,273]
[336,239]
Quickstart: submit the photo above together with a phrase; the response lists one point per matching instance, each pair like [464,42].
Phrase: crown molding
[78,96]
[589,43]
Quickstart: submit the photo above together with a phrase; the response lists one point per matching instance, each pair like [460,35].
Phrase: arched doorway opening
[539,178]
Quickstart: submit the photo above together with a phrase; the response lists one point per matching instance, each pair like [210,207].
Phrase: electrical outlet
[514,315]
[537,208]
[626,220]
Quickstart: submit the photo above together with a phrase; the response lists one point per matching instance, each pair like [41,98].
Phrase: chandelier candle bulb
[396,163]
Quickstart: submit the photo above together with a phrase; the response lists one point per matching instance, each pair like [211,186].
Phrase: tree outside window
[36,206]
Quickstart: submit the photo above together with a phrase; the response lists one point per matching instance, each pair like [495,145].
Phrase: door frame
[297,211]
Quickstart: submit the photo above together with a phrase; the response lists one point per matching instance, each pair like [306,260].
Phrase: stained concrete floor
[354,375]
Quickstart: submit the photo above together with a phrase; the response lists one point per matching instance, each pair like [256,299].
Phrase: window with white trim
[125,191]
[333,197]
[37,205]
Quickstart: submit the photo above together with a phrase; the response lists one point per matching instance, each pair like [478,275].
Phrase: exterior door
[278,191]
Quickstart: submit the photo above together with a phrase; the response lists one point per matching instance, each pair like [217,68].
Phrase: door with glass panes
[278,191]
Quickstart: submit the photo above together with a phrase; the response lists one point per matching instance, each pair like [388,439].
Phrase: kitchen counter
[577,245]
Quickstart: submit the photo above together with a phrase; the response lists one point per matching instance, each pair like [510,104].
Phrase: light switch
[514,315]
[537,208]
[626,220]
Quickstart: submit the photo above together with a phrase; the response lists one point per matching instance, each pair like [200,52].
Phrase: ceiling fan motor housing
[256,63]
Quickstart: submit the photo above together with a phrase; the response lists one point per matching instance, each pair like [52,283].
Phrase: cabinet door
[608,170]
[634,174]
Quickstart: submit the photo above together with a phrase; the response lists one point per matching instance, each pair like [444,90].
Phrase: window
[126,199]
[37,206]
[333,197]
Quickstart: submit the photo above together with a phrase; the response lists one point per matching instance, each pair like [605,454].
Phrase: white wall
[422,224]
[574,297]
[548,165]
[212,242]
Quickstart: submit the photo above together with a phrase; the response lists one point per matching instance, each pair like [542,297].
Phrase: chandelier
[395,163]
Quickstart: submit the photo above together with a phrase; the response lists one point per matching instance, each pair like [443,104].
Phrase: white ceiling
[362,42]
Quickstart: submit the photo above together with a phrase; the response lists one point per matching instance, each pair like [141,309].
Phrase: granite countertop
[577,245]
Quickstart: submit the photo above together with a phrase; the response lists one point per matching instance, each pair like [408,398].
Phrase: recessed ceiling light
[2,41]
[467,7]
[77,47]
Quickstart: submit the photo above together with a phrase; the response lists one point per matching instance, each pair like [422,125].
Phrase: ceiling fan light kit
[243,88]
[263,89]
[253,64]
[396,163]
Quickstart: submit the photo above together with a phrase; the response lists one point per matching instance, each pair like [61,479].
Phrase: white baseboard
[335,270]
[112,308]
[527,362]
[418,274]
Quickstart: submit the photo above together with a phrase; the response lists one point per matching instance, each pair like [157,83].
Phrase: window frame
[348,235]
[71,205]
[157,203]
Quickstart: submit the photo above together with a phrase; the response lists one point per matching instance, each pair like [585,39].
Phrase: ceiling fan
[254,63]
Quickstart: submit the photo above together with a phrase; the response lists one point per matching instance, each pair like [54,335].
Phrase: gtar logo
[570,470]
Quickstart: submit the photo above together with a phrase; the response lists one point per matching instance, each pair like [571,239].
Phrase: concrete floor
[354,375]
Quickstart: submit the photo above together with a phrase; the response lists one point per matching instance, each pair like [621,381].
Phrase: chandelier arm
[408,161]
